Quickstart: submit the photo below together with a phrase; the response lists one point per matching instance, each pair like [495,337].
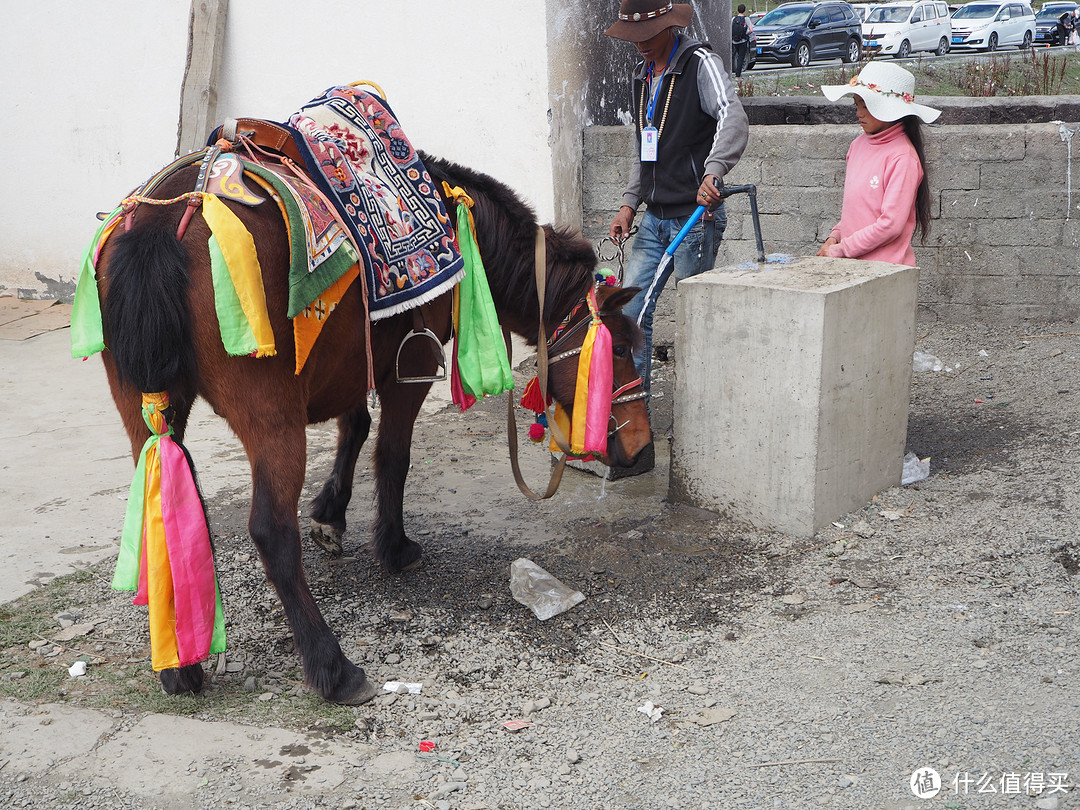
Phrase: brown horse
[162,334]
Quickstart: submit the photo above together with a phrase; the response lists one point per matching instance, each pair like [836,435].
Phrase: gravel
[711,664]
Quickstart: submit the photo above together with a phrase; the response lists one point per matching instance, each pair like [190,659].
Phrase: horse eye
[619,351]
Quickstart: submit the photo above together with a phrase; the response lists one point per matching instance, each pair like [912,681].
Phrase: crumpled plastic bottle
[540,591]
[920,361]
[915,469]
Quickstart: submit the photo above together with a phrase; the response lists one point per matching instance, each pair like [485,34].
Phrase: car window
[976,11]
[836,14]
[888,14]
[797,15]
[917,15]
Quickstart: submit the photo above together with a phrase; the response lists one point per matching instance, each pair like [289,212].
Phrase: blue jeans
[696,254]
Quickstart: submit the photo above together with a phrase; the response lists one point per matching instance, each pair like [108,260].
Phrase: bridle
[544,361]
[567,328]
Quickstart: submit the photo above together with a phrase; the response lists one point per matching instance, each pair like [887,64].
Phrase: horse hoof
[357,689]
[408,558]
[186,680]
[327,537]
[366,692]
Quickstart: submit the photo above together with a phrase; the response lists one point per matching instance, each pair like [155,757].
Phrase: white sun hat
[887,89]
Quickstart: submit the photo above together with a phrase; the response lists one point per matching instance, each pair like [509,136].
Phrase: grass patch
[120,676]
[32,616]
[1035,72]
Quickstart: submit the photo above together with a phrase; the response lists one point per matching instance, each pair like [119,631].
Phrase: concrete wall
[1005,242]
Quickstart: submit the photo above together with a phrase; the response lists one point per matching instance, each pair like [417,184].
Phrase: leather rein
[543,362]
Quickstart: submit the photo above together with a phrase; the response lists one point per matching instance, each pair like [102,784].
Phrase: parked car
[1047,31]
[899,29]
[753,18]
[986,26]
[862,9]
[801,32]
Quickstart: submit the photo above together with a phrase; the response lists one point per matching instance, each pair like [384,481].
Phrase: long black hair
[913,129]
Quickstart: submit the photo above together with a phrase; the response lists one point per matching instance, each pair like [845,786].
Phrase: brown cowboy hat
[640,20]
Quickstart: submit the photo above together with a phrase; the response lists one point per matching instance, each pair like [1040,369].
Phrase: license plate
[759,51]
[957,40]
[871,43]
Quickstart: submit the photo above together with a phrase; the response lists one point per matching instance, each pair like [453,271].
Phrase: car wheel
[904,51]
[1027,41]
[853,52]
[942,47]
[991,44]
[750,65]
[801,57]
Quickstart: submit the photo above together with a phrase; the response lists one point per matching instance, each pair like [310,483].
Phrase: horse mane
[506,236]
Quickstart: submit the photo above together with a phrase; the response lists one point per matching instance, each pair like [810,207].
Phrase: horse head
[628,422]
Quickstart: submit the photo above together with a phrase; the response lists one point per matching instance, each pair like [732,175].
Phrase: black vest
[670,185]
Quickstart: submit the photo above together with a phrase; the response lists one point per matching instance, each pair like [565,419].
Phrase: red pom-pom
[536,432]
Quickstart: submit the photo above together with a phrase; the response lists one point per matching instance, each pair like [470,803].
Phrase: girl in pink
[886,194]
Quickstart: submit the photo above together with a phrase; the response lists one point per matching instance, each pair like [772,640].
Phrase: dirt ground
[935,626]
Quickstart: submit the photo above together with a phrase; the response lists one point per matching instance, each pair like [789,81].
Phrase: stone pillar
[792,385]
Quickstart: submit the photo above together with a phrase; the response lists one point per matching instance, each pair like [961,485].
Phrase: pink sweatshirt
[878,217]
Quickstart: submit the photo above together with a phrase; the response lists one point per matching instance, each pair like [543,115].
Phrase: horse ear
[612,299]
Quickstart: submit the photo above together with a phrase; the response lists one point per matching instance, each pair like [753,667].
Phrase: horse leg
[328,507]
[277,454]
[400,405]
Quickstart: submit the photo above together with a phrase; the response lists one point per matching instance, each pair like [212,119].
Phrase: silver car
[986,26]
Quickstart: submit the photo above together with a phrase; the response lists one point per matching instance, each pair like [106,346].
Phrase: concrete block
[792,385]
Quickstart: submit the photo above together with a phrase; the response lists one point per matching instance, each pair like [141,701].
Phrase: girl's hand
[824,250]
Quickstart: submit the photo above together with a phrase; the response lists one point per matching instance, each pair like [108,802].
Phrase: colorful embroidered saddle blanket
[356,152]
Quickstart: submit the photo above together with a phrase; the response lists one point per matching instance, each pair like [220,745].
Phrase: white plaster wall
[100,84]
[467,80]
[89,94]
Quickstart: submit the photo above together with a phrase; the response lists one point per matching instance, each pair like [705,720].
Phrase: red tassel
[531,398]
[536,432]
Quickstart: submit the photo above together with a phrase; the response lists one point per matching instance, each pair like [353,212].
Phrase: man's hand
[620,226]
[709,192]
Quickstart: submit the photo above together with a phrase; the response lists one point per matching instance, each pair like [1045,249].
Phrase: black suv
[800,32]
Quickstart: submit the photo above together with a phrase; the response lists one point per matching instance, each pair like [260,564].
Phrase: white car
[986,26]
[899,29]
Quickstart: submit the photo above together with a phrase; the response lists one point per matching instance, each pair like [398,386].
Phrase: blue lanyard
[649,75]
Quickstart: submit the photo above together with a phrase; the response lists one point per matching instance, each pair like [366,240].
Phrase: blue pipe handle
[694,217]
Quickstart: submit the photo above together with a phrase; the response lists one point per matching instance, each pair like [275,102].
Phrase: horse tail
[145,311]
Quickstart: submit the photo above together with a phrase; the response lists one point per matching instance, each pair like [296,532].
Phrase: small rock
[863,529]
[793,599]
[234,666]
[847,780]
[444,790]
[249,684]
[1047,803]
[485,602]
[392,658]
[265,696]
[572,756]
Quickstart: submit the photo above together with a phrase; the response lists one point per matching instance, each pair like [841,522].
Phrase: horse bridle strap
[540,261]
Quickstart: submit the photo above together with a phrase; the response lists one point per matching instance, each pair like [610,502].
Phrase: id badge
[649,139]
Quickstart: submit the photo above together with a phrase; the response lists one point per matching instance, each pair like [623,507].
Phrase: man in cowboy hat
[691,132]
